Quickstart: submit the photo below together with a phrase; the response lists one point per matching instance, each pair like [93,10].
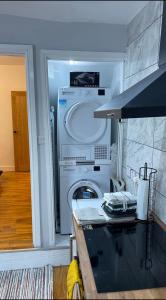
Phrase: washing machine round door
[81,125]
[84,189]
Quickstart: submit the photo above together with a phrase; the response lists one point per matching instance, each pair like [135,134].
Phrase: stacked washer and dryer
[84,149]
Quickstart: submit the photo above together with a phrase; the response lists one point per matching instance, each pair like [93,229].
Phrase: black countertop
[127,257]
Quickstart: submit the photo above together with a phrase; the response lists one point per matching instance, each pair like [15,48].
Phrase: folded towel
[89,215]
[121,196]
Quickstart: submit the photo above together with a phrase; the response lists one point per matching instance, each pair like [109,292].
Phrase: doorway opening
[58,76]
[15,180]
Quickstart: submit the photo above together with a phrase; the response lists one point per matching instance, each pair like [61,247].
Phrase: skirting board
[7,168]
[15,260]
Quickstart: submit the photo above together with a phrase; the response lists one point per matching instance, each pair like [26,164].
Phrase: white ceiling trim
[84,55]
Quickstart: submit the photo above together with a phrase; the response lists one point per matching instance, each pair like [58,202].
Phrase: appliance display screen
[84,79]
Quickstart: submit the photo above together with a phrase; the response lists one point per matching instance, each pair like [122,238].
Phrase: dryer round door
[84,189]
[81,125]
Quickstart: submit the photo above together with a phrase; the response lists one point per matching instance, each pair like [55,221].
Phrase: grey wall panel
[63,36]
[143,52]
[145,139]
[151,12]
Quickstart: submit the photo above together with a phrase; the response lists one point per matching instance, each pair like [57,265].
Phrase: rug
[27,284]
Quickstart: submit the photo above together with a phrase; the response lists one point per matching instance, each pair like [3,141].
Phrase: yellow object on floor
[74,281]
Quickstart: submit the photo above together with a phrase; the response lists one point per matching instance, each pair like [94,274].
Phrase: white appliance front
[80,182]
[76,122]
[98,153]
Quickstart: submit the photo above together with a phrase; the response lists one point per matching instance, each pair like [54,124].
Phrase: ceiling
[112,12]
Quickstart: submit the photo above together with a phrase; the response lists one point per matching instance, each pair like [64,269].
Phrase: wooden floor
[60,276]
[15,211]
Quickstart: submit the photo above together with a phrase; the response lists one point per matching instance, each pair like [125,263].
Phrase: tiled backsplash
[145,139]
[144,19]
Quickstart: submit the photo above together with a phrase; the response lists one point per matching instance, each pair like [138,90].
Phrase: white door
[84,189]
[81,125]
[81,189]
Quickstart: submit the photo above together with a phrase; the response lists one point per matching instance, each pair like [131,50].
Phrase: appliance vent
[76,158]
[101,152]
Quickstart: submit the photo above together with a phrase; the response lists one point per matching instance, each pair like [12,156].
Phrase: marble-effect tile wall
[145,139]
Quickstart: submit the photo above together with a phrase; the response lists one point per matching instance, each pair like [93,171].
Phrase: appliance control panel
[82,169]
[82,93]
[91,169]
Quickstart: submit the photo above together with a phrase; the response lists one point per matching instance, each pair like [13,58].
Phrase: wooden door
[20,131]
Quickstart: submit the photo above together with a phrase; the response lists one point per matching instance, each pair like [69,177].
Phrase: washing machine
[80,135]
[80,182]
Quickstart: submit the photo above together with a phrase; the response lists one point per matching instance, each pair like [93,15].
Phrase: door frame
[46,55]
[27,52]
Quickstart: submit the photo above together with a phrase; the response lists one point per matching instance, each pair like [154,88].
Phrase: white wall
[12,78]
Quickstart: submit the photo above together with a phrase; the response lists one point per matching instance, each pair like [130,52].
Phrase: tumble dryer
[80,135]
[81,182]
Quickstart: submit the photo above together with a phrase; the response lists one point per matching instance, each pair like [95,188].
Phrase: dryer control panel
[86,169]
[84,92]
